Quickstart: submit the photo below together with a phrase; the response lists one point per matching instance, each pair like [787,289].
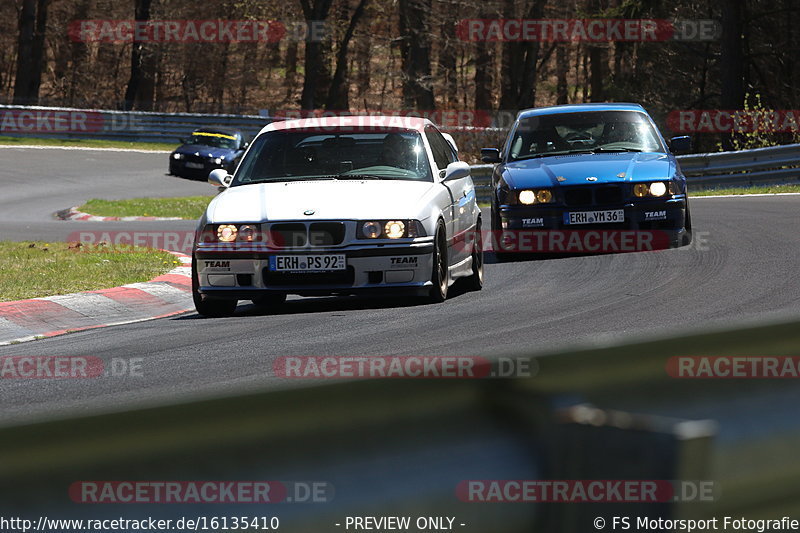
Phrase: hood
[329,200]
[204,151]
[574,169]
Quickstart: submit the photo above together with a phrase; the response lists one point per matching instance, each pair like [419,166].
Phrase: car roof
[578,108]
[367,122]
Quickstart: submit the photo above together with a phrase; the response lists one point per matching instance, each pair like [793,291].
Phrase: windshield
[296,155]
[217,140]
[593,131]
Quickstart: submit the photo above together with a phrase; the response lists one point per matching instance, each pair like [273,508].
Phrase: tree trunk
[519,65]
[732,69]
[484,66]
[562,65]
[597,72]
[447,71]
[142,61]
[416,53]
[32,27]
[338,95]
[317,74]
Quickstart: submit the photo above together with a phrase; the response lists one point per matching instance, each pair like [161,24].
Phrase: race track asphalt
[742,267]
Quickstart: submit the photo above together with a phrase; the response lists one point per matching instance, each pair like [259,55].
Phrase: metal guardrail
[779,164]
[401,447]
[776,164]
[134,126]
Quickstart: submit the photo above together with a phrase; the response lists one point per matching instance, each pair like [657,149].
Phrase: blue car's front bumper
[644,214]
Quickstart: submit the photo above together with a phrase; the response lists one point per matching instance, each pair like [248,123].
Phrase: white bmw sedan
[339,206]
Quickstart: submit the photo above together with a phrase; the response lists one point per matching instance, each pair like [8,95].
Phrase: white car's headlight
[394,229]
[229,233]
[390,229]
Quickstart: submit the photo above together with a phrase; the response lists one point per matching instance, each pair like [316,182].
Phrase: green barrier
[404,446]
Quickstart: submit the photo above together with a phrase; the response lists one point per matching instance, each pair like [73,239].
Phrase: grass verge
[36,269]
[189,207]
[758,189]
[85,143]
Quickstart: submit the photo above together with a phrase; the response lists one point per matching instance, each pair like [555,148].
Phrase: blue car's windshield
[217,140]
[592,131]
[309,154]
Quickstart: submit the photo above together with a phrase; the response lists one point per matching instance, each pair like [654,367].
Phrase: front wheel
[475,281]
[687,226]
[204,305]
[440,277]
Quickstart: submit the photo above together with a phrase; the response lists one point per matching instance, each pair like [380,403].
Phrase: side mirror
[456,171]
[182,140]
[220,178]
[490,155]
[681,145]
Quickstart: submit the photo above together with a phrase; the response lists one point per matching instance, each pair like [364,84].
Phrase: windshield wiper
[548,154]
[360,177]
[609,150]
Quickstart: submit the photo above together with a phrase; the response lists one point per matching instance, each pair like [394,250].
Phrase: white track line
[746,195]
[88,148]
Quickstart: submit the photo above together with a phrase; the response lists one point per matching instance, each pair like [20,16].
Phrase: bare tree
[338,95]
[141,84]
[415,52]
[32,27]
[317,71]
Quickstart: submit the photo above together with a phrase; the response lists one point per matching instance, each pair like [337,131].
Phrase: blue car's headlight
[531,197]
[655,188]
[177,156]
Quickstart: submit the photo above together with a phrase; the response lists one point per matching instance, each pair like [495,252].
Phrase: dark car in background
[205,150]
[589,167]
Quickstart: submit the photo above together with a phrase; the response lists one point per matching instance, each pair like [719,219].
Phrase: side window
[442,151]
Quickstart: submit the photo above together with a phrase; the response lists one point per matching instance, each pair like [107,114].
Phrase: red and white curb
[73,214]
[167,295]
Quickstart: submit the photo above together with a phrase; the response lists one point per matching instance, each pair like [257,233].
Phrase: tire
[269,300]
[686,240]
[475,281]
[497,234]
[440,275]
[206,306]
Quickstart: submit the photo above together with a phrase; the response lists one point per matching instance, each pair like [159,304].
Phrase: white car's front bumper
[246,274]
